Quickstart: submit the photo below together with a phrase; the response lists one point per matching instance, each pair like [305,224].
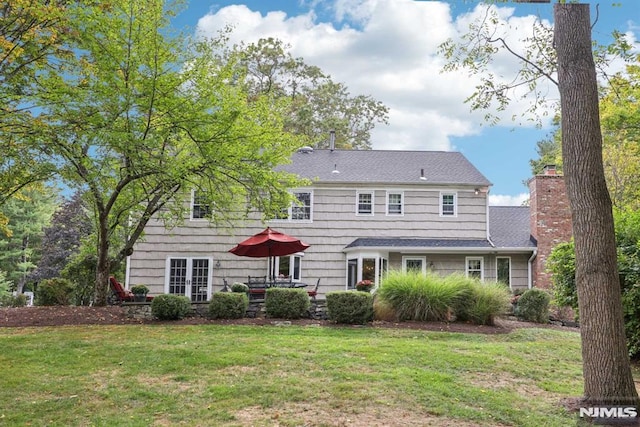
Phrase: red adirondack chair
[119,294]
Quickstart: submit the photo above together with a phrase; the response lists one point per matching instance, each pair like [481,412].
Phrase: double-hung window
[394,203]
[475,267]
[448,204]
[200,209]
[301,210]
[364,203]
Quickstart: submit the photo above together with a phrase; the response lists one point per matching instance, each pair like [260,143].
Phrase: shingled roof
[509,227]
[386,166]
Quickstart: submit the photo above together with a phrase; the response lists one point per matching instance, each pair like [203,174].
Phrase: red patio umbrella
[269,243]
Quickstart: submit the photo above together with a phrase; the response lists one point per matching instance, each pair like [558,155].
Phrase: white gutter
[435,250]
[529,268]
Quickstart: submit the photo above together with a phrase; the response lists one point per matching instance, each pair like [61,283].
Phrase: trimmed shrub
[170,307]
[286,303]
[239,287]
[354,308]
[228,305]
[415,296]
[10,300]
[488,301]
[55,291]
[533,306]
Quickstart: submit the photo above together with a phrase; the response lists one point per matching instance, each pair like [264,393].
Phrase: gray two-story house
[365,212]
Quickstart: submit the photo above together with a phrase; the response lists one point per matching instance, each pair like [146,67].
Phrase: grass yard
[211,375]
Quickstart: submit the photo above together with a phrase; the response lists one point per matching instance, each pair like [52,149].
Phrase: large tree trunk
[103,265]
[606,367]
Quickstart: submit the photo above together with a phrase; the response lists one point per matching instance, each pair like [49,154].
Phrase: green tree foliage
[567,52]
[620,119]
[28,216]
[561,263]
[317,104]
[139,119]
[62,238]
[620,122]
[30,31]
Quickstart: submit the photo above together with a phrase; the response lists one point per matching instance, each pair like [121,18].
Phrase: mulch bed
[115,315]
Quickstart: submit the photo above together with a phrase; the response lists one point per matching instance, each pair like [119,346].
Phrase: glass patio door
[190,277]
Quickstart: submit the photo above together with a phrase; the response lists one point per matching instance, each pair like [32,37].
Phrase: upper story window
[299,211]
[395,203]
[448,204]
[365,203]
[200,209]
[302,210]
[475,267]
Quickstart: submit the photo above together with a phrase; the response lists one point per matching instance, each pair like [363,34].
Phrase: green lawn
[209,375]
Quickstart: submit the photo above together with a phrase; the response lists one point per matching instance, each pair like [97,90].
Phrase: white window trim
[455,203]
[474,258]
[414,258]
[289,217]
[191,203]
[373,202]
[386,202]
[380,258]
[291,265]
[510,264]
[167,268]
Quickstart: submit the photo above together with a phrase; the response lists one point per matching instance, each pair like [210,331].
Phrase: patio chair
[119,294]
[313,292]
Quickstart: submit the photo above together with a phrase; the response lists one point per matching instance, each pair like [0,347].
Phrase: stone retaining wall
[142,310]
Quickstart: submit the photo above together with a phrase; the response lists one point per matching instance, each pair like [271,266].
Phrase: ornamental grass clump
[488,301]
[414,296]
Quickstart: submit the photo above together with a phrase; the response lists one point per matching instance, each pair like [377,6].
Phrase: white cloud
[386,49]
[504,200]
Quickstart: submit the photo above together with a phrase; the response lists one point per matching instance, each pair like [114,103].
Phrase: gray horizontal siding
[335,225]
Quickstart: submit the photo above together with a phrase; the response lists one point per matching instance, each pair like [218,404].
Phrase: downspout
[529,267]
[488,219]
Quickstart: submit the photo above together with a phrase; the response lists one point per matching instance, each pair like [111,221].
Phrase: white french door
[190,277]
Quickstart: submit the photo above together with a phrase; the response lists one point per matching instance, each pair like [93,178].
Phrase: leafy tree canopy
[138,118]
[317,104]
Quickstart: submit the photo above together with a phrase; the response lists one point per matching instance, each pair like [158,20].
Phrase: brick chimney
[550,219]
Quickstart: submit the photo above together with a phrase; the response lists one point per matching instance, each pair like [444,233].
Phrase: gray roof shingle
[386,166]
[509,227]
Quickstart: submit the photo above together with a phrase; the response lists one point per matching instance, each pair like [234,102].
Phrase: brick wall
[550,219]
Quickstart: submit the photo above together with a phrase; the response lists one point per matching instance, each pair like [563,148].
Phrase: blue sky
[388,49]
